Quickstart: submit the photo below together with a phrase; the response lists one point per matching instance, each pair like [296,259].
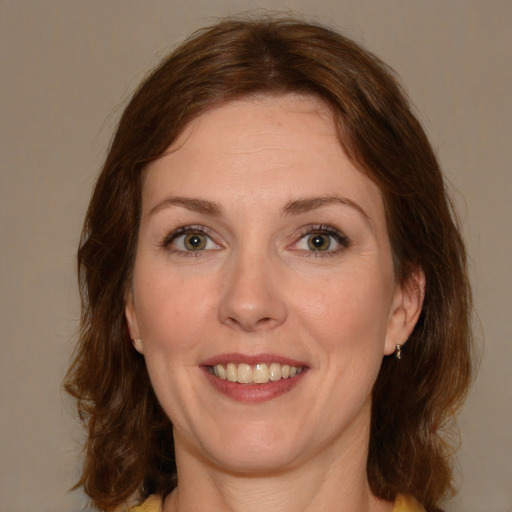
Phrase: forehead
[265,119]
[260,146]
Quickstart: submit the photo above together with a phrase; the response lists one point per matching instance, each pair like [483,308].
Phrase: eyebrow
[298,206]
[194,205]
[295,207]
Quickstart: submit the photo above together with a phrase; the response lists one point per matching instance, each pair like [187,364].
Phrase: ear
[133,324]
[405,310]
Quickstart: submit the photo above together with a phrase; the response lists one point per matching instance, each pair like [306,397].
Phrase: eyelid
[186,230]
[341,239]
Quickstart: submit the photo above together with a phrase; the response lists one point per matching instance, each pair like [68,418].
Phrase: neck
[335,480]
[287,493]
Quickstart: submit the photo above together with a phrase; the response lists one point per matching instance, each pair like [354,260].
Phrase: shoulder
[152,504]
[407,504]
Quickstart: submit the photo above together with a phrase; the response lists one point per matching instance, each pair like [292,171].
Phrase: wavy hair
[129,448]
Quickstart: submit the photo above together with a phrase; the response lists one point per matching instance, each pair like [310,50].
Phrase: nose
[252,297]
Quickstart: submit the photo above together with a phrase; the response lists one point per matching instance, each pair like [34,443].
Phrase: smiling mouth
[260,373]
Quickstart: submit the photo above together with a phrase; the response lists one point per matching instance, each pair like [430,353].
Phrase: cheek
[171,310]
[172,315]
[350,310]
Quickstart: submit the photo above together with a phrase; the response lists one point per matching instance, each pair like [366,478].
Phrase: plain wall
[67,68]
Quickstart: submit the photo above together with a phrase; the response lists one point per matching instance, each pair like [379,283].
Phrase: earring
[137,340]
[398,352]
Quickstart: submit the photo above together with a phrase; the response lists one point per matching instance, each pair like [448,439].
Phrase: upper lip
[238,358]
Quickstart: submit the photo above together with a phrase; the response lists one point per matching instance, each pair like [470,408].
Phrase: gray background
[67,68]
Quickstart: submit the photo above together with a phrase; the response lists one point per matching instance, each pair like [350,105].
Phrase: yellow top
[402,504]
[152,504]
[406,504]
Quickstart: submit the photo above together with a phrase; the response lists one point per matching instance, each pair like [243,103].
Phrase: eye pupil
[195,242]
[319,242]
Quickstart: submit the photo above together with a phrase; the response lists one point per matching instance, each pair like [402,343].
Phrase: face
[264,296]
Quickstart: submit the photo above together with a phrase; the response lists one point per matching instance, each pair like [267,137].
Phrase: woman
[276,312]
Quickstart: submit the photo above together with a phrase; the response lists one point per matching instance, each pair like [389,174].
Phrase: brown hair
[130,447]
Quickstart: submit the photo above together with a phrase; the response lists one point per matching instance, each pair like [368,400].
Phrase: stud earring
[398,352]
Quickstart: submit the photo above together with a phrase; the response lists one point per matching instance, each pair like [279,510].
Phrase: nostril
[249,324]
[249,301]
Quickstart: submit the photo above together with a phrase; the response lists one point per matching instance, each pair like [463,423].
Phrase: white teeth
[222,374]
[260,373]
[231,372]
[274,371]
[244,374]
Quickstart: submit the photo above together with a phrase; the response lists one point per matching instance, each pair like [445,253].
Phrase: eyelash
[185,230]
[323,229]
[319,229]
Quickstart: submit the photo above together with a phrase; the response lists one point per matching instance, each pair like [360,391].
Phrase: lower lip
[254,392]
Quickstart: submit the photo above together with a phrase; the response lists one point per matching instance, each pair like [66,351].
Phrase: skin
[258,287]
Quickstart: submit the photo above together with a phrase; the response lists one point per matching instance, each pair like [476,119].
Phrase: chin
[255,462]
[254,449]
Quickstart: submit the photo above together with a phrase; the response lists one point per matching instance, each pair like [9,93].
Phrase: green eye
[319,242]
[194,242]
[191,241]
